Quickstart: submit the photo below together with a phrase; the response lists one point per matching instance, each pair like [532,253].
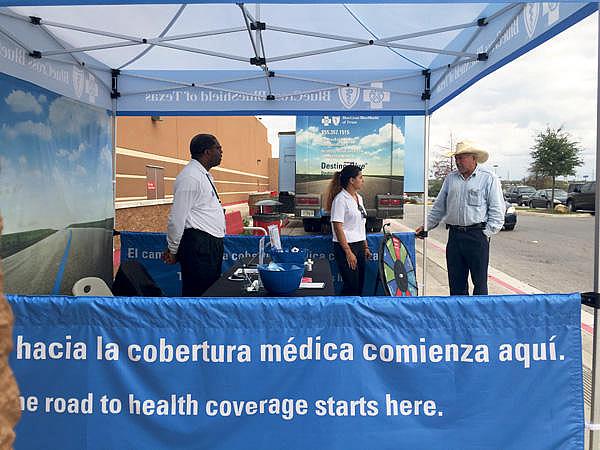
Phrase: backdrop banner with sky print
[380,145]
[55,188]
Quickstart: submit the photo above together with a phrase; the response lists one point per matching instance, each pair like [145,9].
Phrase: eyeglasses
[362,211]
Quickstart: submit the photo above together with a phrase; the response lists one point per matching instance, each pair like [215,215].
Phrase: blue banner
[147,248]
[497,372]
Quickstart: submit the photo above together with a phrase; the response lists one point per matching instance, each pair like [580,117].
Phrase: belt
[477,226]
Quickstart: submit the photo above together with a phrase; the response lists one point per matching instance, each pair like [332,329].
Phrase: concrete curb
[562,216]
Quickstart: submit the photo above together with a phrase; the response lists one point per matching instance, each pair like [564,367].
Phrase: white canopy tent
[185,58]
[229,58]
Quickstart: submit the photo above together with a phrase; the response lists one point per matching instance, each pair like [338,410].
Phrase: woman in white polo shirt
[348,218]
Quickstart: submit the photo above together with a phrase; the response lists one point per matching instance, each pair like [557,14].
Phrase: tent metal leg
[114,158]
[594,441]
[425,194]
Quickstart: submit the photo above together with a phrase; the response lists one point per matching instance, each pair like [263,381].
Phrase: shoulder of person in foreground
[483,169]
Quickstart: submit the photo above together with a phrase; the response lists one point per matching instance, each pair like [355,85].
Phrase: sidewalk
[437,274]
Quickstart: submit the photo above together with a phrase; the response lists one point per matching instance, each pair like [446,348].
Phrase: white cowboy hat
[466,147]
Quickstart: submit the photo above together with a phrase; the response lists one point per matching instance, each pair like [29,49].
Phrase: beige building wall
[164,143]
[274,174]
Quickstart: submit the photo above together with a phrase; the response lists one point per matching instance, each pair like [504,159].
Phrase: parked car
[520,194]
[582,197]
[543,198]
[574,185]
[510,217]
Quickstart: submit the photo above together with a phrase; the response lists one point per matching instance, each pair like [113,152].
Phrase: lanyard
[214,188]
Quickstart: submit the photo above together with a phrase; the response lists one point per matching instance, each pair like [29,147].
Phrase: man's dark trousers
[201,256]
[468,250]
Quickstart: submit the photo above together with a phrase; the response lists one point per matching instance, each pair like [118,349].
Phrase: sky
[55,159]
[552,85]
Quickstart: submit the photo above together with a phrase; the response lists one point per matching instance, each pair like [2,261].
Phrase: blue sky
[55,159]
[359,140]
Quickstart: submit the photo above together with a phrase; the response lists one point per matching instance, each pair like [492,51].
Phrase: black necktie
[214,188]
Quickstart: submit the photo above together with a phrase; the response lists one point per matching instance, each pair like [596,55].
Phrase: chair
[91,287]
[234,224]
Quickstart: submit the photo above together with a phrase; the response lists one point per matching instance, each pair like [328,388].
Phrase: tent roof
[201,58]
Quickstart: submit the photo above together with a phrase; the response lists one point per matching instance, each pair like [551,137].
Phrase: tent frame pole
[425,193]
[594,437]
[114,164]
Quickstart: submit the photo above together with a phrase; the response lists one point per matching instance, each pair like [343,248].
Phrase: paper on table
[240,271]
[314,285]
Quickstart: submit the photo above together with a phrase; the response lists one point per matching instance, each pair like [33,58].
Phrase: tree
[554,154]
[442,166]
[435,186]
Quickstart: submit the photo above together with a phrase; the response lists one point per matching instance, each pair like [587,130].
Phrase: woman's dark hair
[340,181]
[201,143]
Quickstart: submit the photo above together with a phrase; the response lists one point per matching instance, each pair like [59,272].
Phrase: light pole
[495,166]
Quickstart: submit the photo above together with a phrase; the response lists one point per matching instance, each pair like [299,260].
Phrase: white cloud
[106,156]
[311,137]
[70,117]
[23,161]
[72,155]
[21,102]
[80,170]
[37,129]
[381,140]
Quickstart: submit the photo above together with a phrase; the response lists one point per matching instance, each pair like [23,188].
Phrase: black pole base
[591,299]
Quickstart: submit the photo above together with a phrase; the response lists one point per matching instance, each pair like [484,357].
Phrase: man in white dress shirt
[197,221]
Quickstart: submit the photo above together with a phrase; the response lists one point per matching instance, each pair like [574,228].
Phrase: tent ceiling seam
[406,58]
[162,34]
[401,37]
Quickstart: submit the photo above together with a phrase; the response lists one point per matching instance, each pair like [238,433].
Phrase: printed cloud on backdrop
[21,101]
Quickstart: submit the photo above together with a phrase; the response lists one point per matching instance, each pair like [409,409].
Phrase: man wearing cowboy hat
[472,205]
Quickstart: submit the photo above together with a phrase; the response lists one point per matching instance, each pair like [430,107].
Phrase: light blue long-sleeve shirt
[465,202]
